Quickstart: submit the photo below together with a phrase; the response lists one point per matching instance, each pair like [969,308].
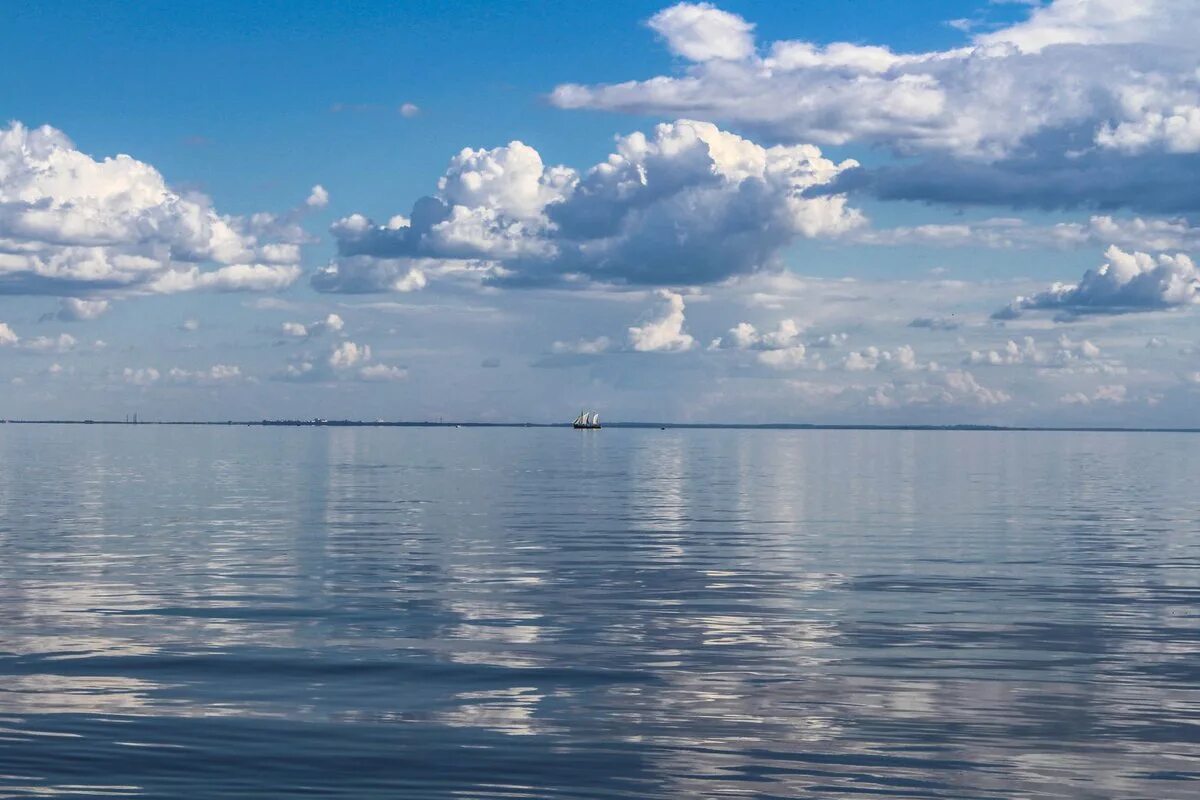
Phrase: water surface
[357,612]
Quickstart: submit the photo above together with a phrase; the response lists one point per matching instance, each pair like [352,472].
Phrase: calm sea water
[361,613]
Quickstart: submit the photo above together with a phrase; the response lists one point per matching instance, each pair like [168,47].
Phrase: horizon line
[349,423]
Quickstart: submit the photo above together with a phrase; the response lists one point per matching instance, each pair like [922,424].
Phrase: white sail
[595,420]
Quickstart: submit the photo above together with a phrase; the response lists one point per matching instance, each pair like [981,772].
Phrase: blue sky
[828,212]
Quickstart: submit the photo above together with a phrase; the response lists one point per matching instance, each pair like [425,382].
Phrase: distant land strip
[774,426]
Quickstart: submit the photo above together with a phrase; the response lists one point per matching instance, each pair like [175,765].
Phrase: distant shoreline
[773,426]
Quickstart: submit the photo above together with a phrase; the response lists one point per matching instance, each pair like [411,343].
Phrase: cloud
[689,204]
[665,333]
[144,376]
[216,374]
[952,388]
[595,346]
[74,309]
[409,110]
[935,323]
[1112,394]
[780,349]
[1126,283]
[190,325]
[7,335]
[318,197]
[73,225]
[960,101]
[702,32]
[1012,233]
[331,324]
[1047,112]
[903,358]
[346,360]
[1076,356]
[62,343]
[233,278]
[349,354]
[378,373]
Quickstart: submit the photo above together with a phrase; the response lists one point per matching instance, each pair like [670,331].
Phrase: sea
[282,612]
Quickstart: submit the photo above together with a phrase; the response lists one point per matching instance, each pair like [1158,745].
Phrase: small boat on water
[587,420]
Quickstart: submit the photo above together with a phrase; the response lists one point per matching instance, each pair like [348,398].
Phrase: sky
[874,212]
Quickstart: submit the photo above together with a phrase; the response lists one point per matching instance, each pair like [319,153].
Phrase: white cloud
[1070,65]
[583,346]
[349,354]
[71,223]
[233,278]
[903,358]
[1112,394]
[952,388]
[1012,233]
[689,204]
[1128,282]
[144,376]
[332,323]
[702,32]
[74,309]
[382,373]
[62,343]
[664,333]
[190,325]
[318,197]
[781,348]
[1078,356]
[7,335]
[218,373]
[409,110]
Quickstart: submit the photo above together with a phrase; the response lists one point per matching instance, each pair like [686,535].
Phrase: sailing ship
[587,420]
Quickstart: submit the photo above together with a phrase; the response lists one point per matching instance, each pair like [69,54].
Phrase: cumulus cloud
[1103,78]
[70,224]
[349,354]
[960,100]
[332,323]
[346,360]
[142,376]
[318,197]
[409,110]
[1077,356]
[688,204]
[1126,283]
[903,358]
[781,348]
[702,32]
[7,335]
[665,333]
[75,309]
[380,373]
